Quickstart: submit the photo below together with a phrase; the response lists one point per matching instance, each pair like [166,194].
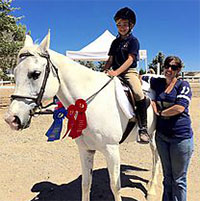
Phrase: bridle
[38,99]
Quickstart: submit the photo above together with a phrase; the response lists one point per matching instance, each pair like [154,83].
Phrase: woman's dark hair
[126,14]
[176,59]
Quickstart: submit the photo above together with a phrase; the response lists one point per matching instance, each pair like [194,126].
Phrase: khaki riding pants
[132,77]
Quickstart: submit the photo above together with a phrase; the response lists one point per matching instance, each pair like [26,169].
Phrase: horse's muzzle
[15,122]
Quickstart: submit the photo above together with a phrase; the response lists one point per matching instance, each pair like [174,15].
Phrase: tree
[12,36]
[159,58]
[96,66]
[100,65]
[141,72]
[88,64]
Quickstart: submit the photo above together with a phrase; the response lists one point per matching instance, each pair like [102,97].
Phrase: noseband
[38,99]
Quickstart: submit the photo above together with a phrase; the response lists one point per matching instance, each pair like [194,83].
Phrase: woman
[123,56]
[174,136]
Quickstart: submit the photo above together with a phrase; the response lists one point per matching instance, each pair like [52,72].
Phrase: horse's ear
[28,41]
[45,44]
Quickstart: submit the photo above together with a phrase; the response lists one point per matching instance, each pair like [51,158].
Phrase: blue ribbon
[55,130]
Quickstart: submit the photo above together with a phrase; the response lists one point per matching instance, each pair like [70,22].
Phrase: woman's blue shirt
[178,126]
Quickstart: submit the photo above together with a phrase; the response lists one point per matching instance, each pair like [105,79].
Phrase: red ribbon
[80,123]
[71,111]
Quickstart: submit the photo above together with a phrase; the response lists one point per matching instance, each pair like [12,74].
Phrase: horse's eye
[26,54]
[34,75]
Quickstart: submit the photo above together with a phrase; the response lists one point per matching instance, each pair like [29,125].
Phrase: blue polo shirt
[121,48]
[178,126]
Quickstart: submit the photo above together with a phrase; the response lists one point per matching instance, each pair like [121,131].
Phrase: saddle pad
[122,99]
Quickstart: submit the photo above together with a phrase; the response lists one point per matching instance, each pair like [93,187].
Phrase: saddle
[128,91]
[130,97]
[129,94]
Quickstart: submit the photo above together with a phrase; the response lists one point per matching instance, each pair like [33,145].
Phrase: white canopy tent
[98,49]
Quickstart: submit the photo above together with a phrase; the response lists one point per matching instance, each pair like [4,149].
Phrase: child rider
[123,56]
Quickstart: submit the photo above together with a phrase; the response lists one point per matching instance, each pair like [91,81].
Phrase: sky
[169,26]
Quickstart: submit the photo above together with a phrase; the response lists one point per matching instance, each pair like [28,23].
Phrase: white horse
[70,81]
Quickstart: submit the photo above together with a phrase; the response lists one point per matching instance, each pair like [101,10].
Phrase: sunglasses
[173,67]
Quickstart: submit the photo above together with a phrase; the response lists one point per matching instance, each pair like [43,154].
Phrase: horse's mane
[68,62]
[35,49]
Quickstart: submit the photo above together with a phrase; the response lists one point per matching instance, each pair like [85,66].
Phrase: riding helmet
[126,14]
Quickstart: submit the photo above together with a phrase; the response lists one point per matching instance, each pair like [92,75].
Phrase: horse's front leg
[87,158]
[113,162]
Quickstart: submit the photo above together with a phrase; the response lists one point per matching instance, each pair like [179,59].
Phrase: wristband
[160,113]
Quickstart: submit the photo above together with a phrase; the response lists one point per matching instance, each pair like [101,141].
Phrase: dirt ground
[31,166]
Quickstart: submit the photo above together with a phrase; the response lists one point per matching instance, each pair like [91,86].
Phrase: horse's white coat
[106,121]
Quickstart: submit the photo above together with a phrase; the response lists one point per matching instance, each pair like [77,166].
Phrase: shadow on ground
[100,191]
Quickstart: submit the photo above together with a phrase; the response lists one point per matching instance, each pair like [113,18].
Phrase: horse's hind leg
[87,158]
[155,170]
[113,163]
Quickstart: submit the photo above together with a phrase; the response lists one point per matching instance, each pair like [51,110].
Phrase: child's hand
[112,73]
[105,71]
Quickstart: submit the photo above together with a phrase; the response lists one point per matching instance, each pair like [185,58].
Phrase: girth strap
[126,133]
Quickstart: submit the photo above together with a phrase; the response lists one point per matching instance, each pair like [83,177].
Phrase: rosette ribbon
[55,130]
[76,126]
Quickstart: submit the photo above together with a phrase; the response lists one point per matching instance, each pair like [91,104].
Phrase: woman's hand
[153,103]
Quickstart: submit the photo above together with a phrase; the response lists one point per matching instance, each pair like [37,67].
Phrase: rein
[38,99]
[89,99]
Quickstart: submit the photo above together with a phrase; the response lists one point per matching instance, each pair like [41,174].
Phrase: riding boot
[141,113]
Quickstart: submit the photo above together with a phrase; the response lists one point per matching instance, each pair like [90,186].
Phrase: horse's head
[36,79]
